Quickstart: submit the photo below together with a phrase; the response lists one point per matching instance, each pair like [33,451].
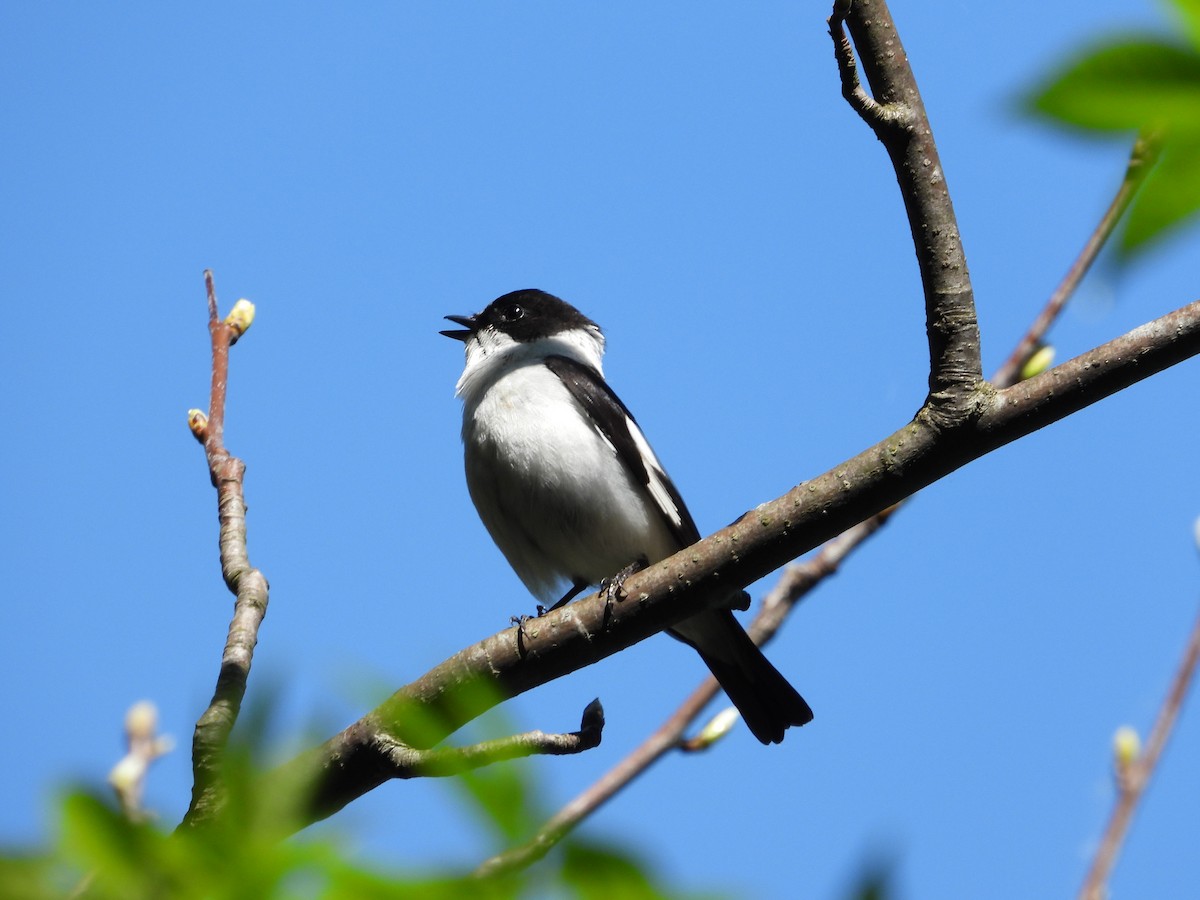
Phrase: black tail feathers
[768,703]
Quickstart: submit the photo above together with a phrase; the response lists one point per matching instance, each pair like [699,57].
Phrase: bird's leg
[519,622]
[614,586]
[577,588]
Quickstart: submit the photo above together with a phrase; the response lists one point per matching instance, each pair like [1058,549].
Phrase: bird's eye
[512,312]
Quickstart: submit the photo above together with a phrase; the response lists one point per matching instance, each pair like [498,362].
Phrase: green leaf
[1189,12]
[1124,86]
[32,878]
[1169,196]
[354,884]
[100,838]
[504,794]
[598,871]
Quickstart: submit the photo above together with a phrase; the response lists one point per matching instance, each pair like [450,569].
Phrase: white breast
[552,492]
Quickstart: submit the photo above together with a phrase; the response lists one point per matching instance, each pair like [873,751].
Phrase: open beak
[468,323]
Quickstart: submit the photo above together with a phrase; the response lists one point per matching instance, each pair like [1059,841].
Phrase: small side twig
[1141,160]
[564,821]
[860,101]
[246,582]
[1136,775]
[411,762]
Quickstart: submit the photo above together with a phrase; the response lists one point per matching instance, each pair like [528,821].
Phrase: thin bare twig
[246,582]
[860,101]
[144,745]
[1141,160]
[1133,781]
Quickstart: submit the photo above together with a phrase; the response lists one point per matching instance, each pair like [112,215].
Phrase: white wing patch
[656,475]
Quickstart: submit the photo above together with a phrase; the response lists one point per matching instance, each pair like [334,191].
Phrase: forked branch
[896,113]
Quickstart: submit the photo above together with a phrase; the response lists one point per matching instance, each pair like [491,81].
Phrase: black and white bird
[571,492]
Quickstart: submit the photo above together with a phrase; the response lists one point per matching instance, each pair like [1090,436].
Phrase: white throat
[491,353]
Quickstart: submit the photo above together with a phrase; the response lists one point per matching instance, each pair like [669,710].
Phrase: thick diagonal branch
[758,543]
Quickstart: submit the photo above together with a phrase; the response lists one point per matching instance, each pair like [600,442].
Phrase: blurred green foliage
[99,854]
[1146,85]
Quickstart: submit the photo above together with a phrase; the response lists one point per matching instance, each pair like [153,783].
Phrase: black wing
[617,426]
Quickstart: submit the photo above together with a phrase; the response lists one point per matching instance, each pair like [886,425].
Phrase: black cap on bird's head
[524,315]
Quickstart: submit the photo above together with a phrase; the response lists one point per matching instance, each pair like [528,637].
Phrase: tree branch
[246,582]
[799,579]
[896,113]
[962,419]
[1141,160]
[512,662]
[409,762]
[1132,781]
[145,745]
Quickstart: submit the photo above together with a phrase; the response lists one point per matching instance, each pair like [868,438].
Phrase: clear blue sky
[694,182]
